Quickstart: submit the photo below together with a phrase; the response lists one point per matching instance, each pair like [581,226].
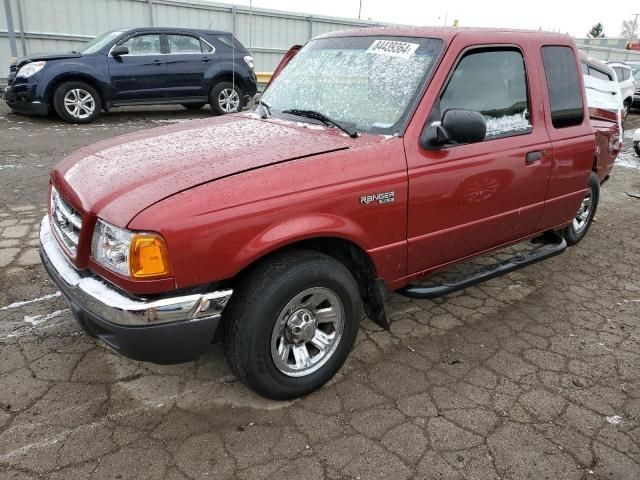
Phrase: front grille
[66,222]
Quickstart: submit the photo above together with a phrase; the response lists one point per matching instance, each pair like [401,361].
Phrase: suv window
[594,72]
[187,44]
[563,82]
[494,83]
[144,45]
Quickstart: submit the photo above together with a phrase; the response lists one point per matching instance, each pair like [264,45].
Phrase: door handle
[157,62]
[205,59]
[533,157]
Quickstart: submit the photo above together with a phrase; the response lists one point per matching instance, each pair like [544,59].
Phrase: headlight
[30,69]
[249,61]
[136,255]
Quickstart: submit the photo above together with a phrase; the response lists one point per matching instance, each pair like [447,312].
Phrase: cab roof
[447,33]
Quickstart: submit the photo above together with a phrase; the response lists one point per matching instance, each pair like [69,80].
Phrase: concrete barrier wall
[63,25]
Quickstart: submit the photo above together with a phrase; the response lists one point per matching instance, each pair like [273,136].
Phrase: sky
[573,17]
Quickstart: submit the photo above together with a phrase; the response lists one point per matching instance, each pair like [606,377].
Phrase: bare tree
[629,28]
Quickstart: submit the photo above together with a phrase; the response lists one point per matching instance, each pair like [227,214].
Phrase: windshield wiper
[265,108]
[323,118]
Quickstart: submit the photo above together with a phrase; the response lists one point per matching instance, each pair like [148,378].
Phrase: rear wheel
[77,102]
[578,228]
[193,106]
[291,324]
[626,108]
[225,98]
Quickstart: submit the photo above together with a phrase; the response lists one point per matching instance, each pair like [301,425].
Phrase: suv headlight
[133,254]
[30,69]
[249,61]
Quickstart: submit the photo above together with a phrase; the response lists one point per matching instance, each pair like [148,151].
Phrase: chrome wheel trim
[79,103]
[582,217]
[307,332]
[229,100]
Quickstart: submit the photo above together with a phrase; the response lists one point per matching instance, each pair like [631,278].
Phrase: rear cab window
[492,81]
[564,87]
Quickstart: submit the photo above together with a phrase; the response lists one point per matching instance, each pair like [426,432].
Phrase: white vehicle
[624,73]
[636,141]
[604,97]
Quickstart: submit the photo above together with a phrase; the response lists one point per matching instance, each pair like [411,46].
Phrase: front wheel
[77,102]
[225,97]
[578,228]
[291,324]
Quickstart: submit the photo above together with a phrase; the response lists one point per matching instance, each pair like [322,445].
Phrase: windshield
[367,83]
[97,43]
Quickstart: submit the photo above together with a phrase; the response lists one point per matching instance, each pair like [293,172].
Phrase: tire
[87,111]
[259,319]
[636,148]
[193,106]
[579,227]
[226,90]
[626,108]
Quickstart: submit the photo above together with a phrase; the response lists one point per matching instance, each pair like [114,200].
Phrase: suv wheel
[291,324]
[225,98]
[77,102]
[626,108]
[577,230]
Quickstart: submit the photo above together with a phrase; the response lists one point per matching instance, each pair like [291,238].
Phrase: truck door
[570,131]
[465,199]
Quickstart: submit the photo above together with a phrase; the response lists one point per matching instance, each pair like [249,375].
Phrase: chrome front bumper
[101,300]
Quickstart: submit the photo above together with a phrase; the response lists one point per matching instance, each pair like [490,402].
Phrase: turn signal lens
[148,256]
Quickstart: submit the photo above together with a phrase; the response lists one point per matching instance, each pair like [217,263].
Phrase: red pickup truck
[375,157]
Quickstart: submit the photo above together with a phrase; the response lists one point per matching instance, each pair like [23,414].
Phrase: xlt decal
[384,197]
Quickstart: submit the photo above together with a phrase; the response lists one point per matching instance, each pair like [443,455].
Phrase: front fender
[294,230]
[75,70]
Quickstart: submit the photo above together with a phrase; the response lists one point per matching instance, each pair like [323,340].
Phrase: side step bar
[551,244]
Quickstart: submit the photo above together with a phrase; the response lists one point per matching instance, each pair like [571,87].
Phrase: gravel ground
[535,375]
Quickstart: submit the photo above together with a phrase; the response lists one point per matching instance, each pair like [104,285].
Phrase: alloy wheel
[79,103]
[307,332]
[581,219]
[229,100]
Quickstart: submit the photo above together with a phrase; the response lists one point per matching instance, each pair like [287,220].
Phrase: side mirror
[119,50]
[457,127]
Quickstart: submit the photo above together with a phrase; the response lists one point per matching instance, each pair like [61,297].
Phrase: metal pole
[23,40]
[360,11]
[12,35]
[150,3]
[635,24]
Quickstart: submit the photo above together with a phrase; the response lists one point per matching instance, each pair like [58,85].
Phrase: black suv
[139,66]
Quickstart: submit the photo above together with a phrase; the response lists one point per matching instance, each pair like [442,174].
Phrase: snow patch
[27,302]
[507,124]
[614,420]
[628,160]
[36,320]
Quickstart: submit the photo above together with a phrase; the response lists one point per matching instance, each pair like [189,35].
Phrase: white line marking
[27,302]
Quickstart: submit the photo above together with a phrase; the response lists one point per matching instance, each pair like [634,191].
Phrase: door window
[187,44]
[563,82]
[494,83]
[144,45]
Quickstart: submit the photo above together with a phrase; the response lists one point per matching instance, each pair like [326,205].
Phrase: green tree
[597,31]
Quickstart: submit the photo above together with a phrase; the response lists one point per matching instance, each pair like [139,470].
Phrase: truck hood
[43,56]
[118,178]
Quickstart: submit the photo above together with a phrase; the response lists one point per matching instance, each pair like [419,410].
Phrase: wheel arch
[227,76]
[75,76]
[351,255]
